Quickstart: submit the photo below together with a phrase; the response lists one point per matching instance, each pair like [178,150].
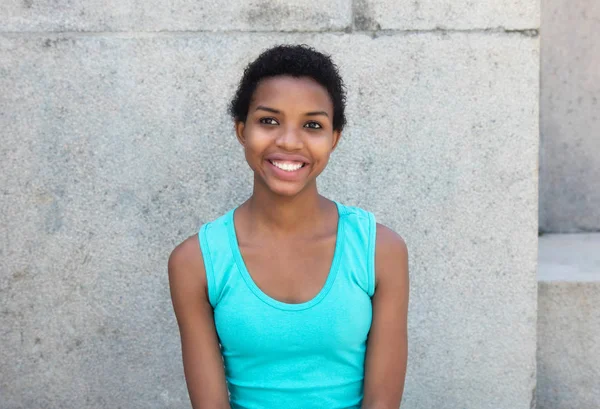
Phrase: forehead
[287,91]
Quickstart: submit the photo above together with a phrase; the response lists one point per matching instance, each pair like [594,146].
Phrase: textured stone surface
[116,148]
[569,323]
[457,14]
[175,15]
[568,347]
[570,116]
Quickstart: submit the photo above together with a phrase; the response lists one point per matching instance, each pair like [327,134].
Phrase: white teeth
[287,166]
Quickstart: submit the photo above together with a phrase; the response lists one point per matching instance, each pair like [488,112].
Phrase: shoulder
[188,256]
[388,240]
[186,266]
[186,253]
[391,256]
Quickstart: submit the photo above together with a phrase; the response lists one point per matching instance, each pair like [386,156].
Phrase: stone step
[568,356]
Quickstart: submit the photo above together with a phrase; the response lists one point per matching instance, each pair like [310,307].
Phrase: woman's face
[288,134]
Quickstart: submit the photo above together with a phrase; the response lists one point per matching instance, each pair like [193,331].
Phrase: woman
[291,300]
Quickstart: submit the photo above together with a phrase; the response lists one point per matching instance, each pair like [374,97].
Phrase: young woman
[291,300]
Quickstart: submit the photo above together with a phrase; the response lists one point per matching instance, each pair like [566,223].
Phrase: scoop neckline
[234,244]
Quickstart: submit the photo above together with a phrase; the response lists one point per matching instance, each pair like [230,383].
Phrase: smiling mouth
[288,166]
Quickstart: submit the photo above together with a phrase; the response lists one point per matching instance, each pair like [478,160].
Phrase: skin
[287,233]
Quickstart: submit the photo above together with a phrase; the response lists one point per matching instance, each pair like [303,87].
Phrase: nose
[289,139]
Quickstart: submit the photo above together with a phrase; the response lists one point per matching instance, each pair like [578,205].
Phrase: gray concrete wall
[117,145]
[569,322]
[570,116]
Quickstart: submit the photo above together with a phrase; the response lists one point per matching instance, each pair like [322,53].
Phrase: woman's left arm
[387,345]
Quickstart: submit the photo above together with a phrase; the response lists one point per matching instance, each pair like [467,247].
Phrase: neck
[283,213]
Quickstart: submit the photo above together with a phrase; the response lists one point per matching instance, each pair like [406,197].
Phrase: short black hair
[296,61]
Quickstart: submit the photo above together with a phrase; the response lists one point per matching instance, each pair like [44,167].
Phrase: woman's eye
[313,125]
[268,121]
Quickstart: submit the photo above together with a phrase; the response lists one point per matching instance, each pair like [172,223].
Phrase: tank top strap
[219,261]
[359,246]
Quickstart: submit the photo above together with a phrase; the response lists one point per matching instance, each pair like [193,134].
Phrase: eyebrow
[317,113]
[275,111]
[264,108]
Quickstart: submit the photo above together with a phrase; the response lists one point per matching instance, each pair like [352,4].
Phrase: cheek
[322,150]
[255,146]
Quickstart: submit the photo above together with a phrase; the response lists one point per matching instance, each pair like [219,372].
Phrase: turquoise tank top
[281,355]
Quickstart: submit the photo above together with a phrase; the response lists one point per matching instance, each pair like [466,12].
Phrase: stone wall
[569,264]
[570,117]
[117,146]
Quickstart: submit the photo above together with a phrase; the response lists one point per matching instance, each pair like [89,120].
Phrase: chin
[285,189]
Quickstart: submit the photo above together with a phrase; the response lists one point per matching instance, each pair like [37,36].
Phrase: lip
[288,176]
[287,157]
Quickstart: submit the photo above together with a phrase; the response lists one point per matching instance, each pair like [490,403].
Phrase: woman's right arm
[202,361]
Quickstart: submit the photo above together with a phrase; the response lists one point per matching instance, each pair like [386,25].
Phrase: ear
[239,132]
[337,135]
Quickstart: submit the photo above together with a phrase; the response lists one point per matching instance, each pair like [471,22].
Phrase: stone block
[177,15]
[568,347]
[570,117]
[569,322]
[118,147]
[440,14]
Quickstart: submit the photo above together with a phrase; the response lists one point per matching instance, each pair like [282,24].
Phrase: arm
[202,361]
[387,345]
